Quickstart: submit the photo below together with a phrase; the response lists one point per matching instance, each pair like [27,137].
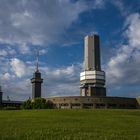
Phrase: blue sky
[57,28]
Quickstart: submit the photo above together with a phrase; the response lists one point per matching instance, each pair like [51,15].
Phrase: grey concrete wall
[138,100]
[93,102]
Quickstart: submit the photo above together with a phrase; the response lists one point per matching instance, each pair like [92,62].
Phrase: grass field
[70,125]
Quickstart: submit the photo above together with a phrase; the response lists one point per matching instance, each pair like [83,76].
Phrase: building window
[64,104]
[112,105]
[100,105]
[75,104]
[87,104]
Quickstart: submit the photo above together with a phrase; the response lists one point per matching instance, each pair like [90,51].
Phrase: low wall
[138,100]
[93,102]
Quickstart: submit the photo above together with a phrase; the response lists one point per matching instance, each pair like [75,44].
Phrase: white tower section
[93,78]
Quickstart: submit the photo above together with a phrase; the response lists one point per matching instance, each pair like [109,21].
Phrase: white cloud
[3,52]
[24,49]
[121,7]
[6,76]
[63,71]
[36,21]
[43,51]
[133,32]
[62,81]
[18,67]
[20,90]
[11,51]
[39,22]
[99,4]
[123,68]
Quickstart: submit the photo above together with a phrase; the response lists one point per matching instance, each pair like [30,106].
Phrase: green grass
[70,125]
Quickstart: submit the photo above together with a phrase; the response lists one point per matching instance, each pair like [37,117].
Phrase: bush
[37,103]
[50,104]
[27,104]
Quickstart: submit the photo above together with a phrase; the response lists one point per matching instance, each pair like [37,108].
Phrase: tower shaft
[92,79]
[36,85]
[92,53]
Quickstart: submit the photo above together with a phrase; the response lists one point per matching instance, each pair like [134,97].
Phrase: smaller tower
[36,80]
[1,95]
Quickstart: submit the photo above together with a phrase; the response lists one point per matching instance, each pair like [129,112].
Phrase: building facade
[75,102]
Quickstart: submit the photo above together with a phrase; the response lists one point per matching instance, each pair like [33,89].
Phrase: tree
[39,103]
[27,104]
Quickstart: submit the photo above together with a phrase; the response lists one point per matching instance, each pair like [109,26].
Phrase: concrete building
[93,102]
[36,81]
[92,89]
[9,103]
[92,79]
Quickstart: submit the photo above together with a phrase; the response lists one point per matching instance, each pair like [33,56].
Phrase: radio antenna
[37,60]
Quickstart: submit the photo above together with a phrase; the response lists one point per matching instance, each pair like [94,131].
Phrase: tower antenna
[37,59]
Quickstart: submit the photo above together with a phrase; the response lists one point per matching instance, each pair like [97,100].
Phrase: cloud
[5,77]
[20,90]
[39,22]
[3,53]
[99,4]
[6,51]
[123,68]
[62,81]
[121,7]
[18,67]
[133,32]
[36,22]
[11,51]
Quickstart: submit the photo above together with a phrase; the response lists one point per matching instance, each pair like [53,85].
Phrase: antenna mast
[37,59]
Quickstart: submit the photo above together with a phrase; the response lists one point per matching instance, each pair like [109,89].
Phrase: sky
[57,29]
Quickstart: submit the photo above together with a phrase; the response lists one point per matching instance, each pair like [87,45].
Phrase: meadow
[80,124]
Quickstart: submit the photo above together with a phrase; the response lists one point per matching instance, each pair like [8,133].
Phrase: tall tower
[36,81]
[1,95]
[92,80]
